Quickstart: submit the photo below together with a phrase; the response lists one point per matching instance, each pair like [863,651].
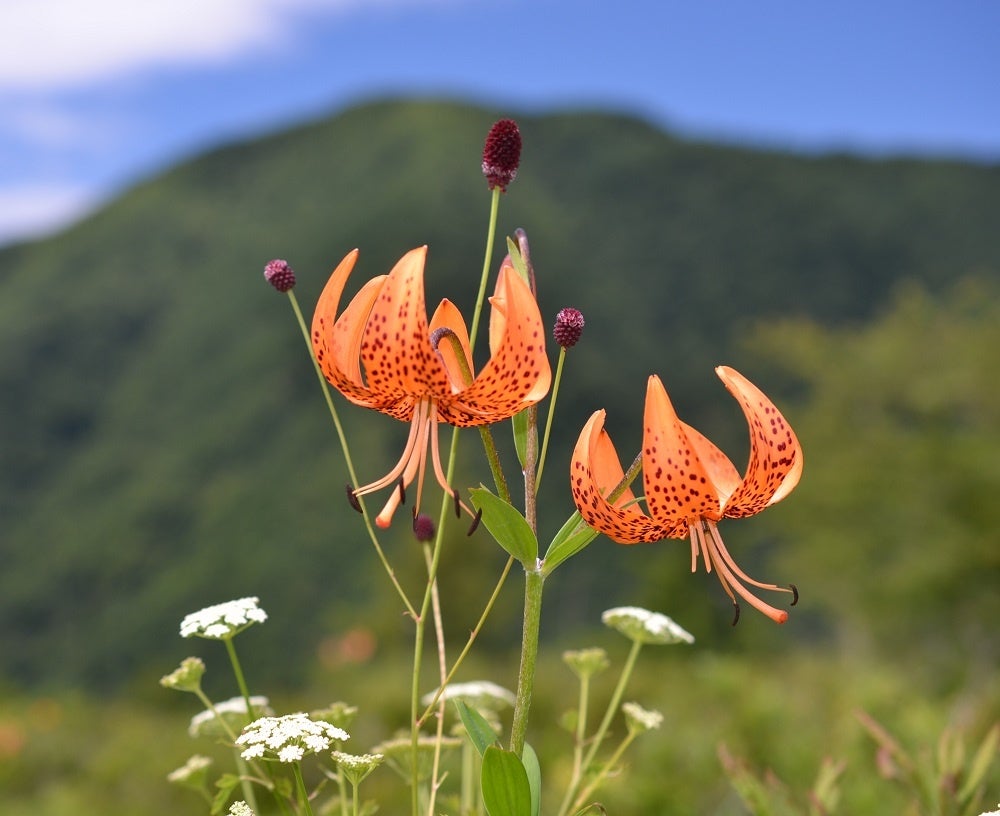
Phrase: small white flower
[223,620]
[192,772]
[641,625]
[233,711]
[240,808]
[639,719]
[288,738]
[478,693]
[357,766]
[291,753]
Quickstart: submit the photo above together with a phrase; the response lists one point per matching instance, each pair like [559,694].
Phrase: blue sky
[96,95]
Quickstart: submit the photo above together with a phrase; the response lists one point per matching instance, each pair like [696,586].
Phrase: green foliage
[892,535]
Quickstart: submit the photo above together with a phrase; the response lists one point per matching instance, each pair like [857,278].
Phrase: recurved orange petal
[595,471]
[517,374]
[396,350]
[336,338]
[775,454]
[679,487]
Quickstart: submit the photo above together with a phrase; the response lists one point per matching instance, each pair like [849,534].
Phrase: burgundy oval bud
[502,154]
[280,275]
[423,527]
[568,328]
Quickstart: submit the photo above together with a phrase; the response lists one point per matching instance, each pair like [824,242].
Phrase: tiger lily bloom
[381,353]
[689,484]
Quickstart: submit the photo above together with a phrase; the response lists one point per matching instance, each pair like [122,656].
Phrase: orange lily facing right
[689,483]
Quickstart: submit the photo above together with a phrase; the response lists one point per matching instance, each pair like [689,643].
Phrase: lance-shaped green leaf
[573,537]
[506,791]
[479,730]
[521,425]
[530,761]
[517,259]
[981,763]
[510,529]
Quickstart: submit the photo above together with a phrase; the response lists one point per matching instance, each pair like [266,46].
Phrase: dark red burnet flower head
[280,275]
[502,154]
[569,327]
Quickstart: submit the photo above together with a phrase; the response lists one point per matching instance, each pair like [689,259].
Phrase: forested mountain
[164,444]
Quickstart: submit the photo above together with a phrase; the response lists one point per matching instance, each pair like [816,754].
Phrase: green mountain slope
[164,445]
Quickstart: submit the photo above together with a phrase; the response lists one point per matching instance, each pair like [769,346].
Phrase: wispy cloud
[60,44]
[32,211]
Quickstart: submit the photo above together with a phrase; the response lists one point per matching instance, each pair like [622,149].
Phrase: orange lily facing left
[689,483]
[382,353]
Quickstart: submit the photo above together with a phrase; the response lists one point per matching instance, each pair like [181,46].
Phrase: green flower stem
[490,233]
[245,691]
[613,704]
[420,622]
[248,791]
[355,800]
[249,794]
[240,679]
[343,793]
[443,670]
[300,784]
[472,638]
[581,735]
[533,583]
[468,783]
[548,419]
[606,768]
[342,437]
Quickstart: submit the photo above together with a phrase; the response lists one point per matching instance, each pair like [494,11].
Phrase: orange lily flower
[381,353]
[690,484]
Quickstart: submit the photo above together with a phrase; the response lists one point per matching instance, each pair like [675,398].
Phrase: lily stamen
[714,553]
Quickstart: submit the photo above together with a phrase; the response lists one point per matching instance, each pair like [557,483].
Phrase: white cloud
[49,126]
[32,211]
[51,44]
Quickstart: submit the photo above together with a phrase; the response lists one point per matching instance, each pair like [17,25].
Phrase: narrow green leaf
[226,784]
[981,762]
[530,761]
[505,784]
[519,423]
[480,732]
[510,529]
[573,537]
[515,258]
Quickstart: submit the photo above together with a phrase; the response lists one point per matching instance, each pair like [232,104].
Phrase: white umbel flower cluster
[240,808]
[224,620]
[232,712]
[288,738]
[642,626]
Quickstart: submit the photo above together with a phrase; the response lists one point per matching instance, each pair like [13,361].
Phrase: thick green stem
[533,584]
